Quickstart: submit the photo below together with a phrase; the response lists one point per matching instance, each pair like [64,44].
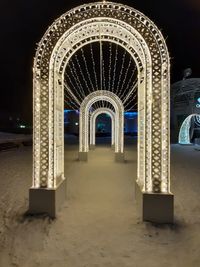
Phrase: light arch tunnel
[185,130]
[93,118]
[134,31]
[118,117]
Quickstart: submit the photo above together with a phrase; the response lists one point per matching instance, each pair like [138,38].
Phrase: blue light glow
[131,113]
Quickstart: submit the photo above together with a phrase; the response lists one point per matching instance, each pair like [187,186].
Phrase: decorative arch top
[131,16]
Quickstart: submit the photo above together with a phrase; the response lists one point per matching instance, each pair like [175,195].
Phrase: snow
[98,225]
[10,137]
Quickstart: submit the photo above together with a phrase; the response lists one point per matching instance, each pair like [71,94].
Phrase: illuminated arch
[84,119]
[141,38]
[93,118]
[184,134]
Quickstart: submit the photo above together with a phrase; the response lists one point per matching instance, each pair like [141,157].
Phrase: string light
[67,88]
[76,77]
[123,96]
[130,100]
[120,75]
[131,92]
[94,67]
[111,82]
[82,75]
[70,102]
[153,63]
[125,78]
[86,67]
[110,66]
[114,72]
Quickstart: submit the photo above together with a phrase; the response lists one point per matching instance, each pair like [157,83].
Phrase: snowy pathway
[98,225]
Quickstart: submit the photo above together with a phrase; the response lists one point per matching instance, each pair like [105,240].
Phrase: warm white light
[22,126]
[101,95]
[93,118]
[144,42]
[184,134]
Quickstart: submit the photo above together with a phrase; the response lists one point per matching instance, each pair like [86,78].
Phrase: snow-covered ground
[98,225]
[10,137]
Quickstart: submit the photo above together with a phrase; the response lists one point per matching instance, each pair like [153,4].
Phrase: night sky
[23,22]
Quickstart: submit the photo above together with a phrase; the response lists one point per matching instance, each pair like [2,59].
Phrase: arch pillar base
[92,147]
[83,156]
[119,157]
[156,208]
[113,146]
[49,201]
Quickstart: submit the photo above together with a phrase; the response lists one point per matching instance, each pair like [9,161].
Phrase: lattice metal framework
[142,39]
[93,118]
[184,134]
[85,114]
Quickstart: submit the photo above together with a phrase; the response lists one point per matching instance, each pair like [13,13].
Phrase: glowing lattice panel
[84,119]
[93,118]
[145,43]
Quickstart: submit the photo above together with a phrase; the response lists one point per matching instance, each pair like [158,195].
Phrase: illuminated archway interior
[93,118]
[84,122]
[138,35]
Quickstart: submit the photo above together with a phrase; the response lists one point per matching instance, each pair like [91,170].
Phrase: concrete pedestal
[83,156]
[157,208]
[92,147]
[119,157]
[47,200]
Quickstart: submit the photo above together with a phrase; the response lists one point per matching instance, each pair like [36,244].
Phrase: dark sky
[23,22]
